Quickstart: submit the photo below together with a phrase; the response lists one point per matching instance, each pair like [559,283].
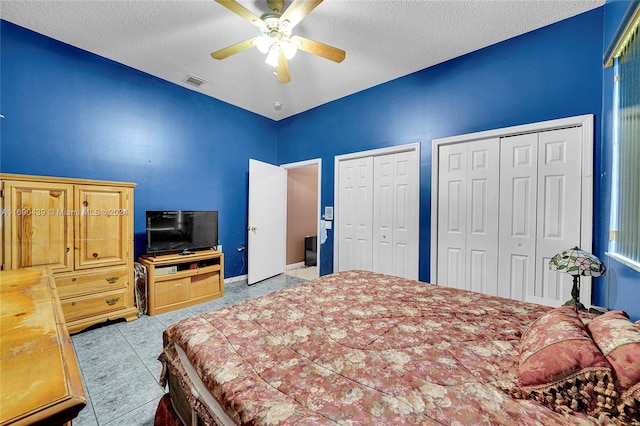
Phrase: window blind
[625,218]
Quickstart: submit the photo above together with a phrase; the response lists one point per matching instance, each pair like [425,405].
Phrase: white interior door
[482,215]
[452,211]
[407,218]
[545,206]
[383,218]
[468,215]
[378,211]
[266,239]
[355,215]
[396,214]
[518,193]
[559,193]
[540,210]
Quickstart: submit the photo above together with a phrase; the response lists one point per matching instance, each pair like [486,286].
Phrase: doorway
[303,219]
[268,218]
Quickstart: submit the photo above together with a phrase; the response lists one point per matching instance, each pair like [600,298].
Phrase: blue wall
[71,113]
[620,288]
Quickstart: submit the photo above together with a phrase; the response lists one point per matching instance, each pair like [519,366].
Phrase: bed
[361,348]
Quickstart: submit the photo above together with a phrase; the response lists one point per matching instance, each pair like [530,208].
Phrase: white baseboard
[235,279]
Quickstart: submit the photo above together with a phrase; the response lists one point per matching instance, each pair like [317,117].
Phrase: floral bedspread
[360,348]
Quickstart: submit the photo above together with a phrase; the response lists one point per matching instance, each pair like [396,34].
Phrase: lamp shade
[263,43]
[272,56]
[576,261]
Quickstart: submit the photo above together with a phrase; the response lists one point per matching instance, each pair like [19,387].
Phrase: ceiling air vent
[194,81]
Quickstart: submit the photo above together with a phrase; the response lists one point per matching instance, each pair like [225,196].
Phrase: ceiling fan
[275,37]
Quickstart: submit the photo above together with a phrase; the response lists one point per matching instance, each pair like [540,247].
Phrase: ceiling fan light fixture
[288,48]
[263,43]
[276,39]
[272,56]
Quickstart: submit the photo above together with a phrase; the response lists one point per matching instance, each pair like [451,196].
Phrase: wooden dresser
[83,231]
[39,379]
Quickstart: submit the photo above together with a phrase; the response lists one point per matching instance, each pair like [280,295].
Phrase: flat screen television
[181,231]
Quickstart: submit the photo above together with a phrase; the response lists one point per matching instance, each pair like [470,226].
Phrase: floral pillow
[619,340]
[560,365]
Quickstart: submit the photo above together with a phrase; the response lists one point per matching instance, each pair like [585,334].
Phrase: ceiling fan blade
[243,12]
[315,47]
[233,49]
[298,10]
[282,70]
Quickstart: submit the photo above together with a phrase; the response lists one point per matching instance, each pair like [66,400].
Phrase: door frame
[415,146]
[305,163]
[585,122]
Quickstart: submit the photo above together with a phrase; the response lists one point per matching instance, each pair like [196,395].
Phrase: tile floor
[306,272]
[118,362]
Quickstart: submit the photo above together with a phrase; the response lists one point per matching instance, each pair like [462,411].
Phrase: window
[624,55]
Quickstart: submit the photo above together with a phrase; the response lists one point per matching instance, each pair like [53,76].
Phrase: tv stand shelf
[176,281]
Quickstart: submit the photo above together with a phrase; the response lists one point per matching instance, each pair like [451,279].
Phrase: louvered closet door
[396,214]
[355,216]
[468,215]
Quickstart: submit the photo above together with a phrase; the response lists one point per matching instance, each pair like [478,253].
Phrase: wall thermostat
[328,212]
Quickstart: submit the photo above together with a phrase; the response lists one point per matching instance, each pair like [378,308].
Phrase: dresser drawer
[87,306]
[79,283]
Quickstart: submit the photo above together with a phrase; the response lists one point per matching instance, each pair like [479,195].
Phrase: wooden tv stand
[175,281]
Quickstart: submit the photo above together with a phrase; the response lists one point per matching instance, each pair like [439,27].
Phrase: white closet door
[452,212]
[518,192]
[482,215]
[468,215]
[559,193]
[355,216]
[396,214]
[407,214]
[545,180]
[540,190]
[383,214]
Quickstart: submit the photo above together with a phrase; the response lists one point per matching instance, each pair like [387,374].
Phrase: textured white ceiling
[384,40]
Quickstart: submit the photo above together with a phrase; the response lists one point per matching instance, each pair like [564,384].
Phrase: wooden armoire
[83,231]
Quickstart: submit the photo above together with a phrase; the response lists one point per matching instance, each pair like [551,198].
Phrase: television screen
[181,231]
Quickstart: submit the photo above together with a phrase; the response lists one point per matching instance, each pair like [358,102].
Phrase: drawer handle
[74,279]
[113,301]
[112,280]
[73,303]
